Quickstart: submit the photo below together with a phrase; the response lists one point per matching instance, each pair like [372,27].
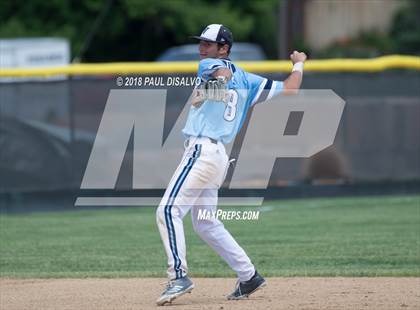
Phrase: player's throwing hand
[296,57]
[292,84]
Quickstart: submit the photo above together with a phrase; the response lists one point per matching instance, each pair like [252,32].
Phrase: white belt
[192,140]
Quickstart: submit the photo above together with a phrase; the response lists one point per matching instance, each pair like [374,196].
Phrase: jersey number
[230,110]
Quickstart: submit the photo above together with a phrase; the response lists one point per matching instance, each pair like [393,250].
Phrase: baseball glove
[214,89]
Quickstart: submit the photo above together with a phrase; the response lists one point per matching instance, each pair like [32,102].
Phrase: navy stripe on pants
[168,208]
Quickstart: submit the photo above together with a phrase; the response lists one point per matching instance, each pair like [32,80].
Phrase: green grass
[377,236]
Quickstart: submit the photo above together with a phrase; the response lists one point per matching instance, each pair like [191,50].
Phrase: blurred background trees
[139,30]
[401,37]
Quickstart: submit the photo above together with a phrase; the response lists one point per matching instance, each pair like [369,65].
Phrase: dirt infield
[280,293]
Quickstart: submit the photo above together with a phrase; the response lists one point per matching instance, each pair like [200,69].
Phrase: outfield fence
[49,118]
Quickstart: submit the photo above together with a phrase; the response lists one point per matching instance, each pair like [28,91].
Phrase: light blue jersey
[223,121]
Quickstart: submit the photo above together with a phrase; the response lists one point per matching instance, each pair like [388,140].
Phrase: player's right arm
[262,89]
[292,84]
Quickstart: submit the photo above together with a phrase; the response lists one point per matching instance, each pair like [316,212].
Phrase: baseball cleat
[174,289]
[246,288]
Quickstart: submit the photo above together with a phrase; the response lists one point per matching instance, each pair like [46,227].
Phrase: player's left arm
[225,72]
[292,84]
[214,77]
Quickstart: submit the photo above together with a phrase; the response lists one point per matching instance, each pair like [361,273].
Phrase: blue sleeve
[262,89]
[207,67]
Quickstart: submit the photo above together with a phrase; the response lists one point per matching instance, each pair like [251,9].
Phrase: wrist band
[298,67]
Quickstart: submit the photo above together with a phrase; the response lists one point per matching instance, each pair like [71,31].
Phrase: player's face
[208,50]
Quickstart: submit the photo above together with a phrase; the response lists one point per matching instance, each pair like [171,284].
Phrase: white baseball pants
[194,186]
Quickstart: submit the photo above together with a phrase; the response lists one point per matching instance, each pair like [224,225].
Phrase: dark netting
[47,130]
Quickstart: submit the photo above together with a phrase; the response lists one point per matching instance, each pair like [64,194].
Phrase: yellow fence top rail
[129,68]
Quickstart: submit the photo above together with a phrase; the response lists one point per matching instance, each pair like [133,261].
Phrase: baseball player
[219,106]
